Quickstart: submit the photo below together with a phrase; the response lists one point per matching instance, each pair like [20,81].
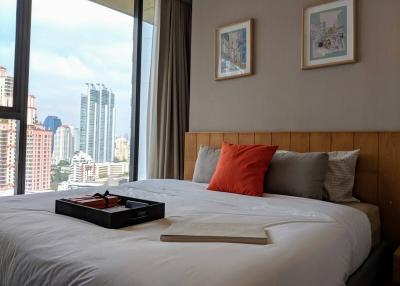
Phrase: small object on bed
[98,201]
[114,217]
[215,232]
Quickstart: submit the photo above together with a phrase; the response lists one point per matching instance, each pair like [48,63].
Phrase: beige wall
[280,96]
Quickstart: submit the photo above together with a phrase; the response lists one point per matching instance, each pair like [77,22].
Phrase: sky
[74,42]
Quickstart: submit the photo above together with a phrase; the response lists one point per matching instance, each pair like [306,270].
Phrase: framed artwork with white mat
[329,34]
[234,50]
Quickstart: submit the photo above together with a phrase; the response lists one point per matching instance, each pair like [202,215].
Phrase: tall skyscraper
[6,88]
[63,144]
[97,122]
[38,152]
[121,149]
[52,123]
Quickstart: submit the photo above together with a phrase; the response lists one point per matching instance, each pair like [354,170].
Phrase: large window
[79,94]
[78,110]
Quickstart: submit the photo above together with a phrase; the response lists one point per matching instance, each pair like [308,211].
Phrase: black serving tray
[117,217]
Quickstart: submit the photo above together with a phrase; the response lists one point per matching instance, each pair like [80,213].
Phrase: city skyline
[53,161]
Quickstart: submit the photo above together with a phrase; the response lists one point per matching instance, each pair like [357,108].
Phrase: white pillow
[339,180]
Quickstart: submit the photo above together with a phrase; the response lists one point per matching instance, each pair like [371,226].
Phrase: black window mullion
[9,113]
[21,82]
[136,81]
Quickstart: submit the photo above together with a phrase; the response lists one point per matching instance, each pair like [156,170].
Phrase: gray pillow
[206,163]
[339,179]
[297,174]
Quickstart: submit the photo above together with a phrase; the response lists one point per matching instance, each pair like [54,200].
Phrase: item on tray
[135,205]
[97,201]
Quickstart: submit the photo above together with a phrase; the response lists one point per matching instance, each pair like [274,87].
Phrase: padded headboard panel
[378,169]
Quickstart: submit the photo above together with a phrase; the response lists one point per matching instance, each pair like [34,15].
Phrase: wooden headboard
[378,169]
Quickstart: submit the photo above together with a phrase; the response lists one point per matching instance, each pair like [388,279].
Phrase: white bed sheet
[311,242]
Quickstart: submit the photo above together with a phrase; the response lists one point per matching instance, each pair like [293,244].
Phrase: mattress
[372,212]
[310,242]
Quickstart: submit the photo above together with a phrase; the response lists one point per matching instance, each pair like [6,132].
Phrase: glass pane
[8,152]
[7,49]
[148,34]
[80,95]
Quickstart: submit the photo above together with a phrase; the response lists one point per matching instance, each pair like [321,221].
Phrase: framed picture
[234,50]
[329,34]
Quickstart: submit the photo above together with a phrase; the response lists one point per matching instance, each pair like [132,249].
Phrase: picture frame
[234,50]
[329,34]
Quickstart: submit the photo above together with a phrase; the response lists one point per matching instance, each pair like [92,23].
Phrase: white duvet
[311,242]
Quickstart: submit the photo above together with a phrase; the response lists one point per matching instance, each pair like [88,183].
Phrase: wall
[280,96]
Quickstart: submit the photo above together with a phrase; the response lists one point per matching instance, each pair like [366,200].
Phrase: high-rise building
[32,111]
[38,156]
[97,122]
[7,136]
[38,159]
[6,88]
[76,137]
[63,149]
[83,168]
[7,155]
[121,149]
[111,170]
[38,152]
[52,123]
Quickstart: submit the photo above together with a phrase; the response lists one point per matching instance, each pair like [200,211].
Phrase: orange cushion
[241,169]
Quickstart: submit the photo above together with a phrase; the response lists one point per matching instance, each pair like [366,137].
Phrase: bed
[311,242]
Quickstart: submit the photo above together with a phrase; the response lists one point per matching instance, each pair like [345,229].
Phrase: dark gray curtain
[170,111]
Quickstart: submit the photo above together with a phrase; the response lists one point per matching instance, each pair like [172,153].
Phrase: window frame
[136,82]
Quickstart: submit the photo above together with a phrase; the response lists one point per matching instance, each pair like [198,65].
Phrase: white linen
[312,242]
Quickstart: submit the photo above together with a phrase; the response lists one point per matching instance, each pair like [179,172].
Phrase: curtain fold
[168,114]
